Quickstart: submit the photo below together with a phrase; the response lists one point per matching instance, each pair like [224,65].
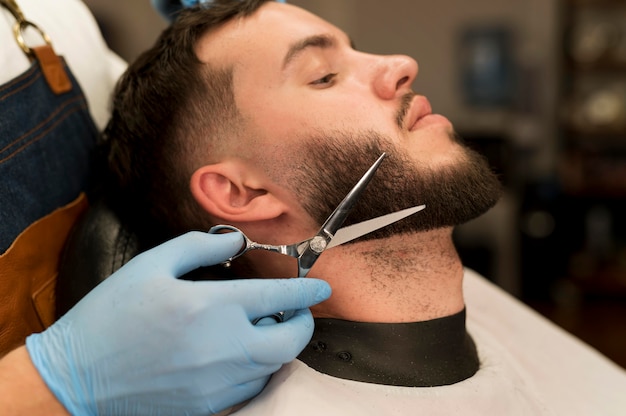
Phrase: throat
[401,279]
[418,354]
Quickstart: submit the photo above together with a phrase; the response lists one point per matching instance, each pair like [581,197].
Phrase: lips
[420,108]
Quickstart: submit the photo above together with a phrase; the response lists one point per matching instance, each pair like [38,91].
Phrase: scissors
[330,234]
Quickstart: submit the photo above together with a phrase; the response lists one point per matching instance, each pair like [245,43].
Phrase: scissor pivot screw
[318,244]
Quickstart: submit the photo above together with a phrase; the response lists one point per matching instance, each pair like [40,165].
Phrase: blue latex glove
[145,343]
[169,8]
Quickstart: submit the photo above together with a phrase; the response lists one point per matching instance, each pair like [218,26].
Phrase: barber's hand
[169,8]
[146,343]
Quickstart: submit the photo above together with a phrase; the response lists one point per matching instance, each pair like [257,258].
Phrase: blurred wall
[128,26]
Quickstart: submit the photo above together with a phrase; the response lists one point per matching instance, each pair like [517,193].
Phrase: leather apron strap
[51,64]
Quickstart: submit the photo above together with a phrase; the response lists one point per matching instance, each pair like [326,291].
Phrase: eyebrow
[315,41]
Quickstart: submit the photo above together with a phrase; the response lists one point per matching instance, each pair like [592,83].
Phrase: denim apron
[47,138]
[46,142]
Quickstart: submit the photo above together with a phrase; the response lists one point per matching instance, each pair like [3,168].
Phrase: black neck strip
[418,354]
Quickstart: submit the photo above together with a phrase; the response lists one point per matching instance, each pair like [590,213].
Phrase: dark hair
[167,109]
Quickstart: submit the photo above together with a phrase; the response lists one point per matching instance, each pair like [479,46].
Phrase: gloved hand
[145,343]
[169,8]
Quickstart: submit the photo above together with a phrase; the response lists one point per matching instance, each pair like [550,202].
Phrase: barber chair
[98,245]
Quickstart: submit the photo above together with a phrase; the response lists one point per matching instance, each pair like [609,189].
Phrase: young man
[262,116]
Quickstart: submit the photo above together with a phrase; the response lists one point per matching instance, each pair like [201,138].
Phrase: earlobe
[225,192]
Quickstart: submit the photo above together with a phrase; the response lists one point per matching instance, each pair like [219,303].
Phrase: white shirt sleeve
[75,36]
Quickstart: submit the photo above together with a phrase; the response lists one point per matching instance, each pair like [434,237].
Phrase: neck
[406,278]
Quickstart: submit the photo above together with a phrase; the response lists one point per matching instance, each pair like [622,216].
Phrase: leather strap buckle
[21,25]
[51,64]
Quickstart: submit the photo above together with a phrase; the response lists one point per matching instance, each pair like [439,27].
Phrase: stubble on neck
[404,278]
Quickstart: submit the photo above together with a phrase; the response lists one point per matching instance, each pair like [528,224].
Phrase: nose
[394,76]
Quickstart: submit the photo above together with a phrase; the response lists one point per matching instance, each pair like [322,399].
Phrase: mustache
[405,104]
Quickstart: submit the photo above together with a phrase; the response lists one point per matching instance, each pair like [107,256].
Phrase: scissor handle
[247,243]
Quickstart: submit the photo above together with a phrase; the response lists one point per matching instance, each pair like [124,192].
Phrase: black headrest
[98,245]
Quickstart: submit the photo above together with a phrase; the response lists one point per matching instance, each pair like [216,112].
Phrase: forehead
[262,41]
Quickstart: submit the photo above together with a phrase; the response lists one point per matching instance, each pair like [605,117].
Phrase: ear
[233,193]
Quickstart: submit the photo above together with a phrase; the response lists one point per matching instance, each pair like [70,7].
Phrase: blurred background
[538,86]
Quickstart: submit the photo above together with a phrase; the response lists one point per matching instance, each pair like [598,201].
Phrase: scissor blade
[349,233]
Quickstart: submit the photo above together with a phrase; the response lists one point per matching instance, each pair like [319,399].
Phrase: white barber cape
[75,36]
[529,366]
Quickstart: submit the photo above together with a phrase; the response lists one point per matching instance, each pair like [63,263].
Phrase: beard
[453,194]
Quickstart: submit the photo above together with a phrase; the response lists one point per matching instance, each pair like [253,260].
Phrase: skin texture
[22,390]
[298,84]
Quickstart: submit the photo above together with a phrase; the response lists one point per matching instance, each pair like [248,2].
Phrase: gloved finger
[205,3]
[241,392]
[264,297]
[167,8]
[192,3]
[190,251]
[285,340]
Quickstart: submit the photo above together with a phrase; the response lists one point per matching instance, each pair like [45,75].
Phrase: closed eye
[325,81]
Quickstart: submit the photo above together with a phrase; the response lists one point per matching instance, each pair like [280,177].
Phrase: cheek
[283,116]
[355,115]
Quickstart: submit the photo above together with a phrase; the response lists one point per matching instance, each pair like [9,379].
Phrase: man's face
[314,110]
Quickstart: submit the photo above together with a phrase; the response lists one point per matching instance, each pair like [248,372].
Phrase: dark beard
[331,165]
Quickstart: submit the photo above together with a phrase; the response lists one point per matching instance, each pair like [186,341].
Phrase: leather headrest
[98,246]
